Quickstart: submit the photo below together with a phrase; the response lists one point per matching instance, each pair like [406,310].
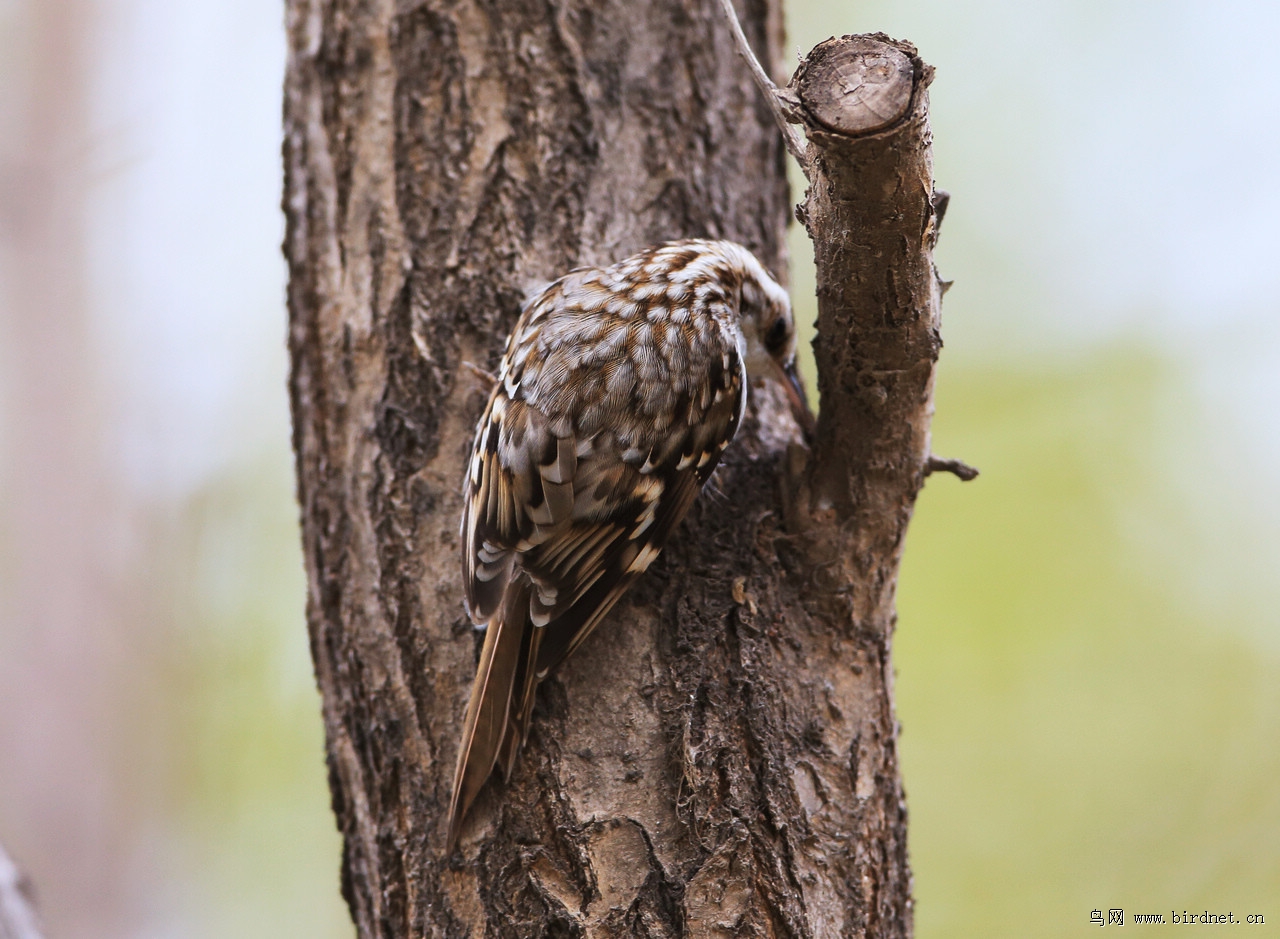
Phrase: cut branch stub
[856,85]
[871,214]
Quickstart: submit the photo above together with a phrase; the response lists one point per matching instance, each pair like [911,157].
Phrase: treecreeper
[618,392]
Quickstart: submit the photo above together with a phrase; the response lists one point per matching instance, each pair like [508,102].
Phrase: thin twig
[937,464]
[793,139]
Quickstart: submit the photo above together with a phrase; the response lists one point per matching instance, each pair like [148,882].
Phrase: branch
[782,104]
[872,213]
[17,913]
[936,464]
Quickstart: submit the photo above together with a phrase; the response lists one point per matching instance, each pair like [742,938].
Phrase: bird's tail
[522,697]
[504,667]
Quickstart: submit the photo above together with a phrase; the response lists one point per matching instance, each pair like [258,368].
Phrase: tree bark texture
[719,758]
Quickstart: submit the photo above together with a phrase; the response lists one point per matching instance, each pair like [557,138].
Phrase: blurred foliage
[246,744]
[1078,733]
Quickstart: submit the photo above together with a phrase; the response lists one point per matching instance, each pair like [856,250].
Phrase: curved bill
[793,385]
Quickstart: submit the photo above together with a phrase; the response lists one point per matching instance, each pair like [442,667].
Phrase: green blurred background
[1089,646]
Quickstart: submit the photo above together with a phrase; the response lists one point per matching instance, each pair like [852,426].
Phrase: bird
[618,391]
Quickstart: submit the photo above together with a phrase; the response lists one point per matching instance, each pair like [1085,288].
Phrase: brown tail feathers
[501,701]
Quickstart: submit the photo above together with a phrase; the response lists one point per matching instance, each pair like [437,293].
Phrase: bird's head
[769,329]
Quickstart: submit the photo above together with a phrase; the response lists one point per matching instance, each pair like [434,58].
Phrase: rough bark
[719,758]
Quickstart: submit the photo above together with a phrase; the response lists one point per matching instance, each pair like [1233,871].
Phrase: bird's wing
[581,518]
[568,520]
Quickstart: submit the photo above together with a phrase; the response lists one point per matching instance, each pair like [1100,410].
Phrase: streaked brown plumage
[619,390]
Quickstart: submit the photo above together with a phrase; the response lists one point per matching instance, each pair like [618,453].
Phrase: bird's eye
[776,337]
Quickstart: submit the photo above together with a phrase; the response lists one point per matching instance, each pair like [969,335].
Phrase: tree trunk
[719,758]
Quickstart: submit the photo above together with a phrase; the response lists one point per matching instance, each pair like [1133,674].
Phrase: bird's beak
[793,385]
